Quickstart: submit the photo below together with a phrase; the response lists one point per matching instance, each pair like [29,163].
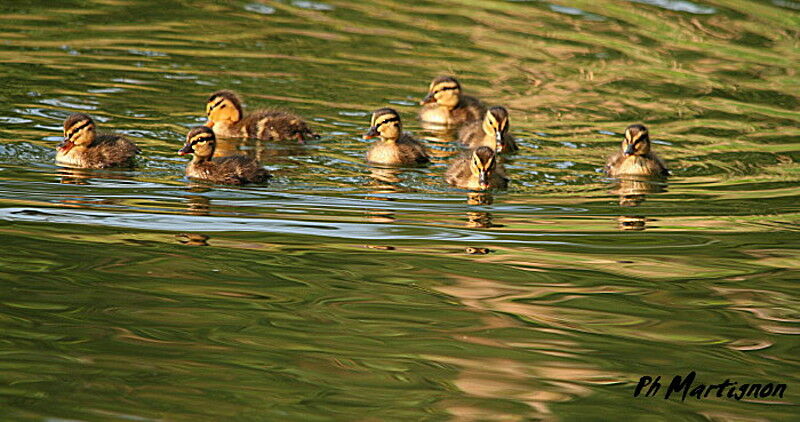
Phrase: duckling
[236,170]
[84,147]
[395,148]
[492,132]
[635,157]
[446,105]
[226,118]
[477,170]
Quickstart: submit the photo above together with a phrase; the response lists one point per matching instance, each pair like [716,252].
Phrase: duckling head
[386,124]
[223,107]
[496,124]
[637,140]
[444,91]
[483,164]
[201,142]
[79,131]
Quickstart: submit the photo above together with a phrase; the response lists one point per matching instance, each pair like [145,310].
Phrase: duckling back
[473,136]
[277,125]
[235,170]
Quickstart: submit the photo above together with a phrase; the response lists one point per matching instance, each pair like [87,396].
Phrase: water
[340,292]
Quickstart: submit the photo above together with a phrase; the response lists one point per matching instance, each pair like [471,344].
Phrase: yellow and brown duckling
[491,132]
[446,105]
[226,117]
[235,170]
[395,147]
[477,170]
[635,157]
[84,147]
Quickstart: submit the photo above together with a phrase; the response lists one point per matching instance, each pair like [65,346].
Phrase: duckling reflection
[480,219]
[381,215]
[74,176]
[385,179]
[198,205]
[632,222]
[633,191]
[226,117]
[446,106]
[82,176]
[193,239]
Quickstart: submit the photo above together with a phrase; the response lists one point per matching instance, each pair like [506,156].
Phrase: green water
[340,292]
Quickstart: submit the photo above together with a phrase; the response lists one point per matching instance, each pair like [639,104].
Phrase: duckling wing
[458,173]
[468,109]
[111,151]
[501,181]
[240,169]
[471,134]
[613,163]
[277,125]
[510,144]
[500,177]
[412,150]
[663,170]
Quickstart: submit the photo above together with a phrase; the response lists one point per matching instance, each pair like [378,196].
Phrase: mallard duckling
[395,147]
[477,170]
[235,170]
[635,157]
[446,105]
[84,147]
[492,132]
[226,118]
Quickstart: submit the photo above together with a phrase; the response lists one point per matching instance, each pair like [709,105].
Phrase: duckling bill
[236,170]
[226,117]
[83,147]
[635,157]
[477,170]
[492,132]
[395,147]
[446,105]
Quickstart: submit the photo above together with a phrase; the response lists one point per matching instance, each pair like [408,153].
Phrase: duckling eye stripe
[392,119]
[79,128]
[447,88]
[197,140]
[216,104]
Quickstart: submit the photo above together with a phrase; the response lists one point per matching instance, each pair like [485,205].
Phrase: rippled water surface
[344,292]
